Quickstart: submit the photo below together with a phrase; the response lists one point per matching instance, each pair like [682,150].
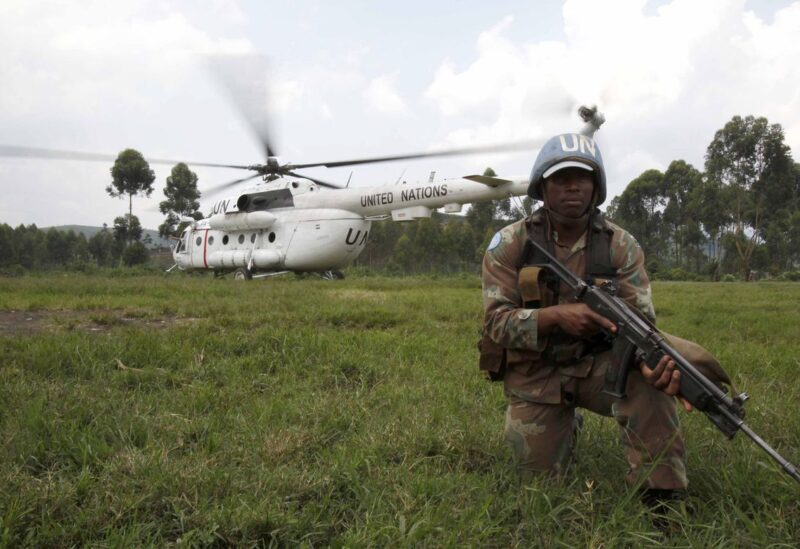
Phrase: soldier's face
[569,191]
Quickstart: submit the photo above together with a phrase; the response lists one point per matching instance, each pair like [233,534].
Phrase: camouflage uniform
[545,380]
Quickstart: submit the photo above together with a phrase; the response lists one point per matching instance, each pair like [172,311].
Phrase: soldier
[544,345]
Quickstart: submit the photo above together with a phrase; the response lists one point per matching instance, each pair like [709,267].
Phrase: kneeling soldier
[544,345]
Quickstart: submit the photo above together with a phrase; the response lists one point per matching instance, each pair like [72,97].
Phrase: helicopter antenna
[401,177]
[348,179]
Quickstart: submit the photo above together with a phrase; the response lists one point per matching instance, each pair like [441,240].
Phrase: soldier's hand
[665,377]
[579,320]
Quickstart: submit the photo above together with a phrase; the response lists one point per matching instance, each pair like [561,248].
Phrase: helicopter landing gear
[242,273]
[332,275]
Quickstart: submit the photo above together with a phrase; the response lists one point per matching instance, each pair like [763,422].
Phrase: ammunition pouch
[493,358]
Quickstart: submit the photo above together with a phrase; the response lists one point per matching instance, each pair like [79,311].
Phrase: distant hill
[88,232]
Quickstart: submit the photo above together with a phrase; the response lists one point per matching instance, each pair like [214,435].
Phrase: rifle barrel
[788,467]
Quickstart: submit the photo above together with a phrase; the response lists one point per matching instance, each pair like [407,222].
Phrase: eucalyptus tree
[182,199]
[751,163]
[131,175]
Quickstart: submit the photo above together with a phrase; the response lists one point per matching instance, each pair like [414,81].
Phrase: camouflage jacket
[513,327]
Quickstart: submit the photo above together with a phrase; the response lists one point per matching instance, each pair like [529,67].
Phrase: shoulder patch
[496,239]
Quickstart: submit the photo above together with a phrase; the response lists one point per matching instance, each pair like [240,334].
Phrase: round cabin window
[241,239]
[210,240]
[198,241]
[253,238]
[225,240]
[272,237]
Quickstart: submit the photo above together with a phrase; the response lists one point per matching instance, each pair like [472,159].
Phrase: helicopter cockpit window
[182,243]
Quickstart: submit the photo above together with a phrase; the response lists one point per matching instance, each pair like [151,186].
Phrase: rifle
[638,340]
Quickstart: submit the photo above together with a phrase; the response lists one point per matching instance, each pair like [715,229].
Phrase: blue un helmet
[565,151]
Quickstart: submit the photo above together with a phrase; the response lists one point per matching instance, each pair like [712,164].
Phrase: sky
[359,78]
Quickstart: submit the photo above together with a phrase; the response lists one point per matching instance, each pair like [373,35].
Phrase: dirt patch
[21,323]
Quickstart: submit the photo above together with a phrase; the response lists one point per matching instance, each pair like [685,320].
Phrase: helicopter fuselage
[292,225]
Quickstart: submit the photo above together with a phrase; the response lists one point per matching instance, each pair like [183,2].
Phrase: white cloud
[98,76]
[665,81]
[383,97]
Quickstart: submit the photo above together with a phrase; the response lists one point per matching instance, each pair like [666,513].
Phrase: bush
[728,278]
[135,254]
[794,276]
[14,271]
[679,274]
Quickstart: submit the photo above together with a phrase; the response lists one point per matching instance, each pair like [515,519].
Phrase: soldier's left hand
[665,377]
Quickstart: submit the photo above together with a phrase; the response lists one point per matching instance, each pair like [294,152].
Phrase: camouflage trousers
[542,436]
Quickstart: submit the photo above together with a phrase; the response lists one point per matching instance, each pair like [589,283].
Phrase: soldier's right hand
[575,319]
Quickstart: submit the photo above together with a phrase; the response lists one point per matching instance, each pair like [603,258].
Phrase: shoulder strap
[536,226]
[598,253]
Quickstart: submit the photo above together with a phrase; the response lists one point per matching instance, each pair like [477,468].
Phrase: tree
[680,181]
[638,209]
[57,250]
[481,214]
[135,254]
[101,247]
[750,161]
[182,195]
[131,175]
[31,246]
[127,228]
[404,255]
[8,248]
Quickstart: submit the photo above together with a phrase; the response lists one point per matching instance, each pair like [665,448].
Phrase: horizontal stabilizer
[488,180]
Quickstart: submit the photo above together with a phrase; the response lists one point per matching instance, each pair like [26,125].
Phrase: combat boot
[662,503]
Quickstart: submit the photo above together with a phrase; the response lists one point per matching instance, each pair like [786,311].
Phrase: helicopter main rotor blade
[245,78]
[499,147]
[222,186]
[35,152]
[317,181]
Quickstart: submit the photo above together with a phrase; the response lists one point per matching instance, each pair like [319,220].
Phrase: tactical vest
[598,259]
[539,288]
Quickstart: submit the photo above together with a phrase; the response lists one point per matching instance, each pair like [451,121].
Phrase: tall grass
[156,410]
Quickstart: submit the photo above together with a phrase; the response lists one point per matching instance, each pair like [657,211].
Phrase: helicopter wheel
[332,275]
[242,273]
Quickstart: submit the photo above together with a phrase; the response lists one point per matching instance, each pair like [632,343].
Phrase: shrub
[135,254]
[728,278]
[14,271]
[789,275]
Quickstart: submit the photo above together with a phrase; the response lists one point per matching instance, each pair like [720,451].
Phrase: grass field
[153,410]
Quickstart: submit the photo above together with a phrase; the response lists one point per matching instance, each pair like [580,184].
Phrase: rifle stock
[638,340]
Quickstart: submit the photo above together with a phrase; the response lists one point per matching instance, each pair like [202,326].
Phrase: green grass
[157,410]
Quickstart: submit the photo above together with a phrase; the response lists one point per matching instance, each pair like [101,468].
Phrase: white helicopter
[288,223]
